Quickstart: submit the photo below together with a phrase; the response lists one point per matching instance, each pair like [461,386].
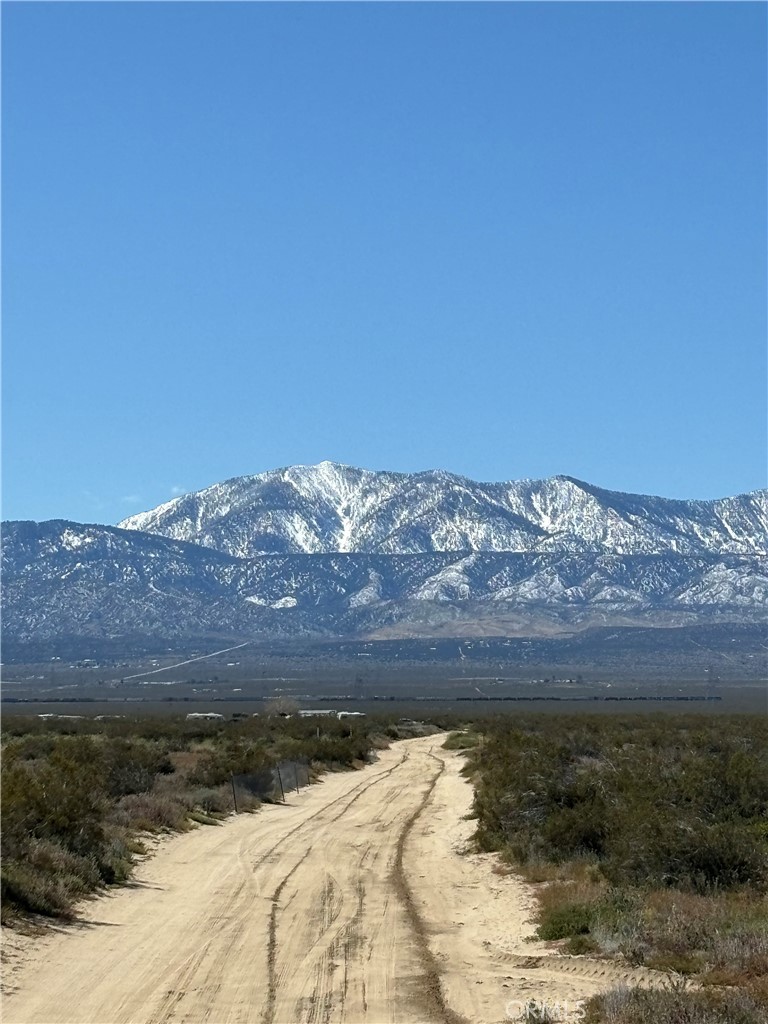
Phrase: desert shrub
[461,741]
[49,879]
[675,1005]
[55,843]
[237,757]
[249,802]
[131,766]
[34,746]
[212,801]
[22,888]
[150,812]
[77,791]
[337,746]
[650,837]
[50,857]
[564,921]
[118,855]
[576,830]
[61,798]
[680,803]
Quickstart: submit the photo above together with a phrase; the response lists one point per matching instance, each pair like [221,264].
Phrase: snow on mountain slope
[67,579]
[334,550]
[334,508]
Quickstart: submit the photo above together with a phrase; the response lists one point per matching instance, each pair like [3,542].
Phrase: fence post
[280,780]
[234,794]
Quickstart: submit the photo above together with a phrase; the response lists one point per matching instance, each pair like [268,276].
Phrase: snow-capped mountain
[332,550]
[333,508]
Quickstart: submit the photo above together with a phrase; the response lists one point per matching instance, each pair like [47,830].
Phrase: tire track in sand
[272,948]
[269,1011]
[358,792]
[318,957]
[431,995]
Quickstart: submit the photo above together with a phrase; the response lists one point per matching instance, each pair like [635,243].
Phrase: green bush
[566,920]
[235,757]
[461,741]
[678,802]
[654,831]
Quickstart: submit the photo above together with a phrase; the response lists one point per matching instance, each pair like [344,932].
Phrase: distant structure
[330,713]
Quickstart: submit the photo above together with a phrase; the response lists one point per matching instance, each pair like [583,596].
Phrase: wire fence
[292,775]
[272,784]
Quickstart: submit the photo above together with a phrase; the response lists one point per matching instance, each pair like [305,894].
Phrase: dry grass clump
[676,1005]
[585,870]
[49,880]
[150,812]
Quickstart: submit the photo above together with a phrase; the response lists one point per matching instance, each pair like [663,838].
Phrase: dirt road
[353,903]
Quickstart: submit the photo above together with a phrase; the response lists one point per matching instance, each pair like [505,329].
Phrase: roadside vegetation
[647,838]
[81,797]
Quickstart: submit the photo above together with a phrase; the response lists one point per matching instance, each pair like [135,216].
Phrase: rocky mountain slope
[66,579]
[331,550]
[333,508]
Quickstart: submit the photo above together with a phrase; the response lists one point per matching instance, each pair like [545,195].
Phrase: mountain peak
[331,507]
[349,550]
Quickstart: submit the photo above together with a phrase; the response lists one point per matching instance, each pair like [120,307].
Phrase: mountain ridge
[329,551]
[333,507]
[64,579]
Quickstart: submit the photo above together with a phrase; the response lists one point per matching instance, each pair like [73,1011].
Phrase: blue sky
[510,240]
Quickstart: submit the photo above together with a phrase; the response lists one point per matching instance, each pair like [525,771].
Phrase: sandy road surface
[351,904]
